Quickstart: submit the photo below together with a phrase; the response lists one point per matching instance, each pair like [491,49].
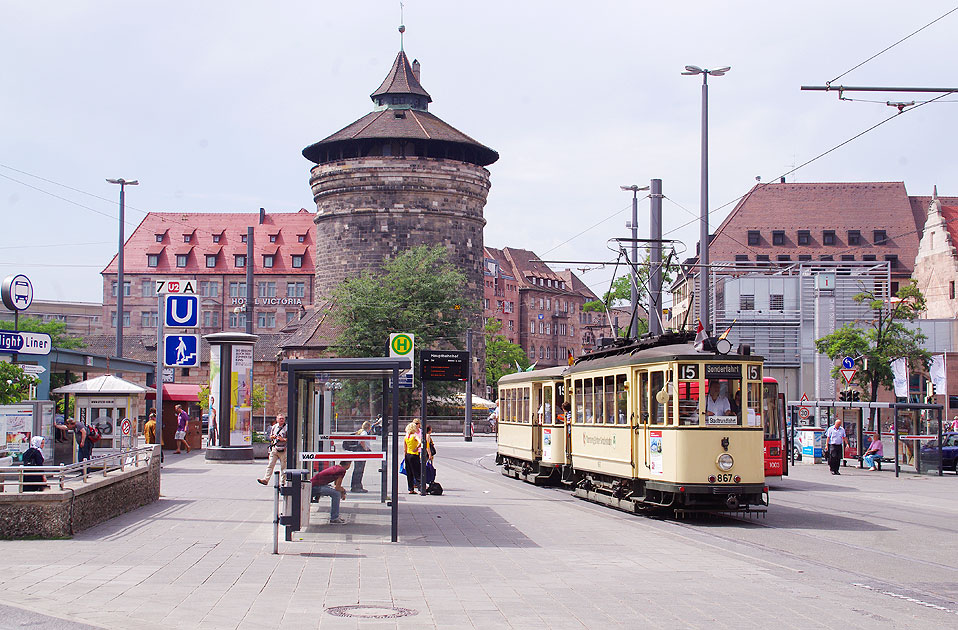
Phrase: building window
[762,258]
[147,289]
[893,259]
[126,288]
[239,260]
[126,318]
[826,257]
[148,319]
[848,257]
[532,353]
[266,289]
[804,237]
[181,260]
[210,261]
[290,316]
[216,238]
[243,238]
[211,319]
[272,238]
[778,237]
[869,257]
[951,292]
[512,323]
[209,288]
[541,328]
[187,238]
[776,302]
[828,237]
[754,237]
[237,289]
[266,319]
[532,327]
[298,289]
[542,352]
[804,257]
[783,258]
[854,237]
[152,260]
[238,320]
[159,238]
[267,261]
[746,302]
[880,237]
[297,262]
[301,238]
[741,257]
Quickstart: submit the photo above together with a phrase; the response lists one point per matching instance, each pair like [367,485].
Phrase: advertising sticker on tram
[655,453]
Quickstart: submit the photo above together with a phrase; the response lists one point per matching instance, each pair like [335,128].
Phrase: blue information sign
[848,363]
[182,311]
[181,350]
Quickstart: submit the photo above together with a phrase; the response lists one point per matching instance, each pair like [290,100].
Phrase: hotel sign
[287,301]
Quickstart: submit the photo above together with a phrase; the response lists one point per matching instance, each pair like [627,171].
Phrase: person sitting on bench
[874,452]
[321,488]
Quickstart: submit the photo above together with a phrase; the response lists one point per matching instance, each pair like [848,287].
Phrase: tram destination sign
[723,370]
[444,365]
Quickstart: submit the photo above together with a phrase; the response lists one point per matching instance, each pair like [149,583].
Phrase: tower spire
[402,27]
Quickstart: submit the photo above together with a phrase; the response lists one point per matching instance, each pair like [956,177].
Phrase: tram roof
[657,354]
[545,374]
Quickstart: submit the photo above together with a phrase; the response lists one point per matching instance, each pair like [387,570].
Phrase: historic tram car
[655,424]
[532,433]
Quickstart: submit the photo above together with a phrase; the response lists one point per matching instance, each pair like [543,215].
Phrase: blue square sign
[182,311]
[181,350]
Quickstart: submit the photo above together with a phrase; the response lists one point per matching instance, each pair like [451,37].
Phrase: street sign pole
[160,304]
[468,428]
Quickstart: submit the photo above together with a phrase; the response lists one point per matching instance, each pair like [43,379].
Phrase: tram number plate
[724,478]
[723,420]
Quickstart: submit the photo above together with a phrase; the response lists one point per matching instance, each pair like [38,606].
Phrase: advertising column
[231,397]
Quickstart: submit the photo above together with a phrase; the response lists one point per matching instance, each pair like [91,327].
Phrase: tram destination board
[444,365]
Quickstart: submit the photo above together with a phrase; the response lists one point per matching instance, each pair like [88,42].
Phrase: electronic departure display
[444,365]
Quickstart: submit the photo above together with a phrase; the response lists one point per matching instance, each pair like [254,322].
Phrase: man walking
[182,418]
[320,488]
[835,440]
[277,448]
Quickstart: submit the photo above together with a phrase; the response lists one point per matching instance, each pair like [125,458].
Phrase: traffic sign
[181,350]
[182,311]
[403,345]
[32,370]
[17,292]
[126,427]
[803,413]
[169,375]
[185,286]
[848,375]
[848,363]
[25,342]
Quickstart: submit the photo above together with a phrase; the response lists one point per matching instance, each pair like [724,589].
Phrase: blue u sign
[182,311]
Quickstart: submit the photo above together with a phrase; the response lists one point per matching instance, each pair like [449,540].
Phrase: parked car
[949,453]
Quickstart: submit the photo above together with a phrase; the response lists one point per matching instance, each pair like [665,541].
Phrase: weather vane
[402,27]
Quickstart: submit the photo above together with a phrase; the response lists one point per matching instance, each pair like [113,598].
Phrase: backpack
[93,433]
[434,488]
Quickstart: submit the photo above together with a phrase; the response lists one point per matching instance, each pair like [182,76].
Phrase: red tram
[773,417]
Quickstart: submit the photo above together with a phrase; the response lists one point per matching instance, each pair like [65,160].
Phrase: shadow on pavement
[794,484]
[801,518]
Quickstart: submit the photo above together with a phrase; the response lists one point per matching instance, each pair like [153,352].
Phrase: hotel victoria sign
[286,301]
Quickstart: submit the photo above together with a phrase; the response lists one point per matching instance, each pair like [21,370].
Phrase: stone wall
[61,513]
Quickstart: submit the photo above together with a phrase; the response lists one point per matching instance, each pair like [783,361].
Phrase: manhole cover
[371,612]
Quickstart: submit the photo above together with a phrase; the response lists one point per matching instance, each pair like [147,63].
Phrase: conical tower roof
[400,114]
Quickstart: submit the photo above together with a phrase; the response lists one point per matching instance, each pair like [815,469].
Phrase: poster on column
[241,384]
[214,398]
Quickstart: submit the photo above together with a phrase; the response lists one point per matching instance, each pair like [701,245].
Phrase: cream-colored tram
[658,424]
[532,434]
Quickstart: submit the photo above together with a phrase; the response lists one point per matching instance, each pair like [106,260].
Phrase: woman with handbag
[413,462]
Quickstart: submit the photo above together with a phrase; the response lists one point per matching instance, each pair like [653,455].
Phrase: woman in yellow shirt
[413,464]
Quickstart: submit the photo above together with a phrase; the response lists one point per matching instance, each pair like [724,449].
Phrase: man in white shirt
[716,404]
[835,438]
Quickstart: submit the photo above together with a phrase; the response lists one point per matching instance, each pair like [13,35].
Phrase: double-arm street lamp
[119,265]
[704,210]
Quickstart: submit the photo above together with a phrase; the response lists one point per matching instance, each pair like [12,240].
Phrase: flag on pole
[571,358]
[899,370]
[699,336]
[937,374]
[532,367]
[728,330]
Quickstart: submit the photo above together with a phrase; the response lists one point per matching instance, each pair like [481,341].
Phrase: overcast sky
[208,104]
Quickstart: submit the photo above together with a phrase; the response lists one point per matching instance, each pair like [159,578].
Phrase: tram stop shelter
[906,425]
[310,411]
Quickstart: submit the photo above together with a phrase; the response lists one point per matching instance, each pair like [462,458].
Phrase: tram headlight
[724,462]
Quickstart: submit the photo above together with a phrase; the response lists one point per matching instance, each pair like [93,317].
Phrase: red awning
[179,392]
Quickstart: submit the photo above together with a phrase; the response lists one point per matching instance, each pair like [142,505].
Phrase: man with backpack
[84,436]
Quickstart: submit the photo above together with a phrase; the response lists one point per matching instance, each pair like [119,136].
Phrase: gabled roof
[401,80]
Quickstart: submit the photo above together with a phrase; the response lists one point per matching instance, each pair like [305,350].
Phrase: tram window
[688,399]
[753,411]
[579,404]
[524,409]
[621,400]
[643,397]
[587,399]
[721,402]
[609,407]
[547,415]
[658,409]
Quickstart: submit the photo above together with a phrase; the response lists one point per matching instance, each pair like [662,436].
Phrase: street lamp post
[119,264]
[704,210]
[634,285]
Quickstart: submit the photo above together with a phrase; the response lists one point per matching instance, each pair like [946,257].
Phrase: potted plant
[260,445]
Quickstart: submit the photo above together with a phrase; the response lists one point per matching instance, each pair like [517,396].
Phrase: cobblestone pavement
[855,551]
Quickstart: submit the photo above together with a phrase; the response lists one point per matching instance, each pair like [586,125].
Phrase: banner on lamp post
[937,373]
[899,369]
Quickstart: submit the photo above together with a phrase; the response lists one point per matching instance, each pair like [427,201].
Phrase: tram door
[540,414]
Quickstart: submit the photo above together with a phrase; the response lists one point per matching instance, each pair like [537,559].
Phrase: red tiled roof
[231,227]
[950,215]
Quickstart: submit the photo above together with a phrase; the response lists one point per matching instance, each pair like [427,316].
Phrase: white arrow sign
[33,370]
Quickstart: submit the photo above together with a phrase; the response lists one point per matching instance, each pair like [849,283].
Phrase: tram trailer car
[643,432]
[532,434]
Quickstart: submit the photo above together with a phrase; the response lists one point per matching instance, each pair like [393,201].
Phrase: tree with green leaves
[14,383]
[56,329]
[620,293]
[881,339]
[502,355]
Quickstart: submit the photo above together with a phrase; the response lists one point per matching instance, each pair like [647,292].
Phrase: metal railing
[59,475]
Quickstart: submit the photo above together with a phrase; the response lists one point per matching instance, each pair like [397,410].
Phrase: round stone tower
[397,178]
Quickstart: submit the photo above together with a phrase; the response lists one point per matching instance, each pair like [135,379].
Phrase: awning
[179,392]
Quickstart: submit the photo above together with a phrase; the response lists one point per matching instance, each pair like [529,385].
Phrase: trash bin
[297,491]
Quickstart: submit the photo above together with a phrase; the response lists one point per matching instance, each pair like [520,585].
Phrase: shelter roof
[106,384]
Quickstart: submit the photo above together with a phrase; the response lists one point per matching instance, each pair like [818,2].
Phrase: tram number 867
[724,478]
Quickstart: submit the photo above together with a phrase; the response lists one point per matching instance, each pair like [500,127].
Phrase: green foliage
[14,383]
[56,330]
[881,339]
[501,354]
